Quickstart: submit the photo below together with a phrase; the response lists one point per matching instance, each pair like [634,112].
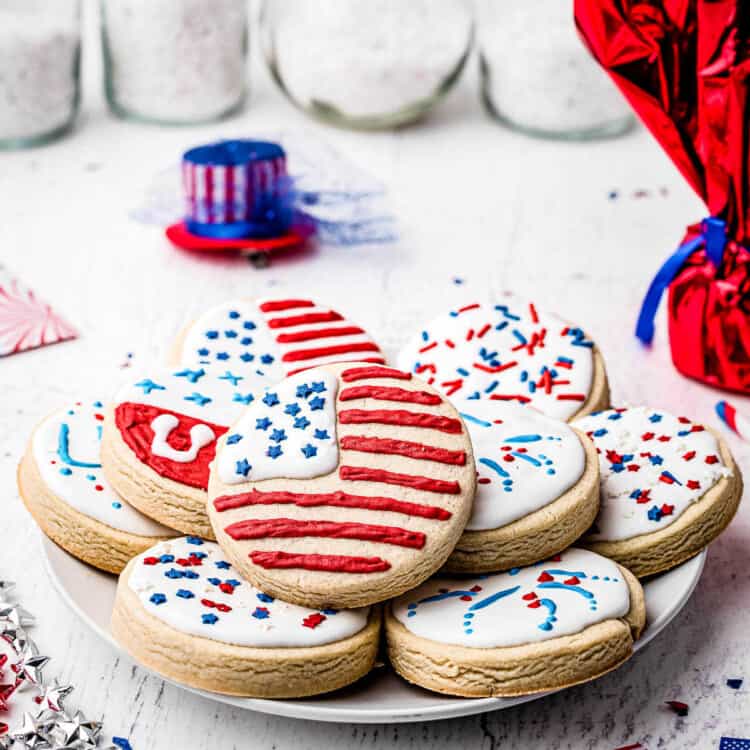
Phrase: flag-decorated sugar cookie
[185,612]
[669,487]
[342,486]
[537,487]
[160,434]
[510,351]
[274,337]
[61,482]
[560,622]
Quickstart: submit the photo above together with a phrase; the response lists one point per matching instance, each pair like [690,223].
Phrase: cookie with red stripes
[512,351]
[669,487]
[160,434]
[274,337]
[343,485]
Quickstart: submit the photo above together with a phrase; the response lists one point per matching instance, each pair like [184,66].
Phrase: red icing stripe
[305,318]
[571,396]
[402,448]
[277,305]
[326,351]
[318,333]
[366,474]
[290,528]
[401,418]
[383,393]
[361,373]
[325,563]
[329,499]
[133,422]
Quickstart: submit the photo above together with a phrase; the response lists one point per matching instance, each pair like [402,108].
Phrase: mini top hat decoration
[238,197]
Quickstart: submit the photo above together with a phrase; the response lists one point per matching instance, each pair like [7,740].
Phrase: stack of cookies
[279,494]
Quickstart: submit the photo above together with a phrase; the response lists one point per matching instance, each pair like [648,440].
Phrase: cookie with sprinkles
[558,623]
[185,612]
[61,482]
[510,351]
[669,487]
[274,337]
[342,486]
[160,434]
[537,487]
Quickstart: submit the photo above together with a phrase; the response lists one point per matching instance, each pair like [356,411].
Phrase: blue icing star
[292,409]
[248,325]
[175,574]
[246,341]
[214,581]
[191,574]
[266,598]
[233,378]
[222,356]
[277,436]
[247,357]
[615,416]
[322,434]
[309,451]
[243,467]
[209,619]
[212,334]
[203,352]
[148,385]
[655,418]
[654,514]
[230,334]
[271,399]
[266,359]
[166,558]
[260,613]
[198,398]
[301,423]
[656,460]
[263,423]
[222,565]
[600,433]
[233,582]
[233,314]
[232,439]
[185,594]
[317,403]
[303,391]
[194,540]
[318,387]
[157,599]
[274,451]
[240,399]
[192,375]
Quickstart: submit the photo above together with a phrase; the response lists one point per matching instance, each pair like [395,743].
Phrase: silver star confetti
[16,615]
[5,588]
[30,670]
[52,696]
[30,734]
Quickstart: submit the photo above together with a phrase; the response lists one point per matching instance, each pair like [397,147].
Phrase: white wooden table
[475,201]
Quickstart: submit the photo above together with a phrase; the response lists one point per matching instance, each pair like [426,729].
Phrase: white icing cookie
[509,351]
[188,584]
[527,605]
[525,460]
[275,337]
[653,467]
[65,447]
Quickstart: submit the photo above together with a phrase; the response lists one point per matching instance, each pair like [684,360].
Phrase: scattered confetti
[680,708]
[122,743]
[613,195]
[735,683]
[457,280]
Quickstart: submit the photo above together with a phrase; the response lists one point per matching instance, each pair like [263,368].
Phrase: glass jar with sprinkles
[175,61]
[538,77]
[39,70]
[366,63]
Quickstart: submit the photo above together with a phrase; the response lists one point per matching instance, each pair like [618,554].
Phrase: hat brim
[179,235]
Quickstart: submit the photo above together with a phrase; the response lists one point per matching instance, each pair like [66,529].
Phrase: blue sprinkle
[122,743]
[191,574]
[116,505]
[222,565]
[277,436]
[262,424]
[600,432]
[303,391]
[65,471]
[199,555]
[91,477]
[425,336]
[267,598]
[301,423]
[249,325]
[166,558]
[230,334]
[260,613]
[270,399]
[193,376]
[196,540]
[247,357]
[655,418]
[309,451]
[462,371]
[322,435]
[246,341]
[274,451]
[214,581]
[157,599]
[240,399]
[735,683]
[185,594]
[174,574]
[318,386]
[222,356]
[233,314]
[98,404]
[329,612]
[233,582]
[212,334]
[203,352]
[266,359]
[292,409]
[232,439]
[209,619]
[243,467]
[317,403]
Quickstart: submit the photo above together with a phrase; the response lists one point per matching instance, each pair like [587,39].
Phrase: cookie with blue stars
[160,436]
[669,487]
[183,611]
[342,485]
[61,482]
[275,337]
[560,622]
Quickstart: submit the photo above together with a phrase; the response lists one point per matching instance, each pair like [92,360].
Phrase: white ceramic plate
[382,697]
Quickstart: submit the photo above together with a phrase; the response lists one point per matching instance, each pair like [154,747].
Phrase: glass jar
[366,63]
[40,42]
[175,61]
[537,75]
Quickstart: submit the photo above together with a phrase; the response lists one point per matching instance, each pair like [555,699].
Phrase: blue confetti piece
[122,743]
[735,683]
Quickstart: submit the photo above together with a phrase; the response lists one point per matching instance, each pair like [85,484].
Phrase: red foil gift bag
[683,65]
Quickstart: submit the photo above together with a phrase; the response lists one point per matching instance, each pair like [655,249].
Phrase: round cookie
[60,481]
[537,487]
[342,486]
[544,627]
[182,611]
[277,337]
[668,488]
[510,352]
[160,436]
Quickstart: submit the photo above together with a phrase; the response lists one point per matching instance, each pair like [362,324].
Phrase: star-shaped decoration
[274,451]
[234,379]
[266,359]
[52,696]
[301,423]
[309,451]
[192,376]
[198,398]
[303,391]
[246,341]
[243,467]
[30,734]
[75,732]
[263,423]
[232,439]
[222,356]
[248,325]
[203,352]
[17,616]
[277,436]
[271,399]
[230,334]
[317,403]
[212,334]
[322,435]
[318,387]
[148,385]
[246,399]
[29,669]
[292,409]
[247,357]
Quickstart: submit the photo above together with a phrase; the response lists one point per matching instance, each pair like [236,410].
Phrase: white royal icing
[65,448]
[289,431]
[200,436]
[510,351]
[188,584]
[275,337]
[524,460]
[547,600]
[653,466]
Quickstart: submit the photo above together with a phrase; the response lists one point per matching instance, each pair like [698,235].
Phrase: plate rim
[317,712]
